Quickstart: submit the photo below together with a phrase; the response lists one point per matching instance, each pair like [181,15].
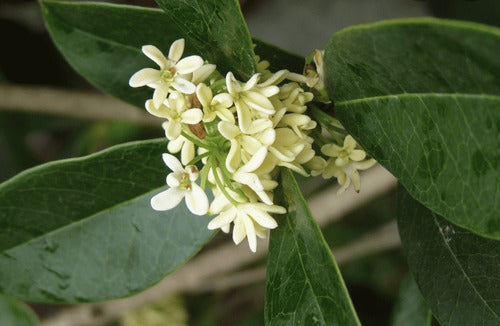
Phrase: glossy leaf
[217,30]
[304,285]
[88,37]
[422,96]
[411,308]
[83,230]
[278,58]
[457,271]
[15,313]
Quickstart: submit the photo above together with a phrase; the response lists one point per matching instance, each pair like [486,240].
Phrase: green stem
[220,184]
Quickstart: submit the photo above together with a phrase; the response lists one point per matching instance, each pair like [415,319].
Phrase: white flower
[214,106]
[346,153]
[250,100]
[347,173]
[244,146]
[294,98]
[170,74]
[298,123]
[245,176]
[182,185]
[183,145]
[250,220]
[343,164]
[174,109]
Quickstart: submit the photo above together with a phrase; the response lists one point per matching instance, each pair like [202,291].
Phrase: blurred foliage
[168,311]
[481,11]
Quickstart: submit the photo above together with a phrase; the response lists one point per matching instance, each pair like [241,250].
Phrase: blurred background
[31,135]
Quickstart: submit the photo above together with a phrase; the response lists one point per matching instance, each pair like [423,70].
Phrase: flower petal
[222,219]
[357,155]
[222,100]
[233,158]
[202,73]
[189,64]
[204,95]
[184,86]
[259,216]
[251,236]
[161,111]
[197,200]
[192,116]
[172,162]
[228,130]
[233,86]
[172,129]
[255,162]
[167,199]
[251,82]
[187,153]
[160,94]
[143,77]
[176,50]
[153,53]
[244,116]
[239,232]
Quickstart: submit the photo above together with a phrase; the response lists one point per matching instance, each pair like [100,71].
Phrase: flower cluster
[232,135]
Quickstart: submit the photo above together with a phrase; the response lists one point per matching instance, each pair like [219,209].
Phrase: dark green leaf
[217,30]
[422,96]
[15,313]
[411,309]
[103,42]
[83,230]
[88,37]
[456,270]
[278,58]
[304,285]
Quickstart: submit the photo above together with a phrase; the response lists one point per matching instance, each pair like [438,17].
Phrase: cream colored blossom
[244,146]
[347,173]
[343,155]
[214,106]
[250,220]
[183,145]
[182,185]
[176,111]
[250,100]
[170,75]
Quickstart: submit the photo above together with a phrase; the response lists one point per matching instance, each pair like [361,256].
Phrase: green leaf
[15,313]
[88,37]
[456,270]
[278,58]
[411,309]
[217,30]
[422,96]
[83,230]
[304,285]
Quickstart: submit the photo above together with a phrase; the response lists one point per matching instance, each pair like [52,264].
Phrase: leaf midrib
[418,95]
[332,262]
[90,33]
[462,270]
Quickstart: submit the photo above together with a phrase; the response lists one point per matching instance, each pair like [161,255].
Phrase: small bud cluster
[238,133]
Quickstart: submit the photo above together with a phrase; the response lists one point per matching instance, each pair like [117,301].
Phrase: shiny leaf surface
[87,36]
[422,96]
[217,30]
[83,230]
[304,285]
[457,271]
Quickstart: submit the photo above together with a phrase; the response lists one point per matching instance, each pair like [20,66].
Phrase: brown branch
[75,104]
